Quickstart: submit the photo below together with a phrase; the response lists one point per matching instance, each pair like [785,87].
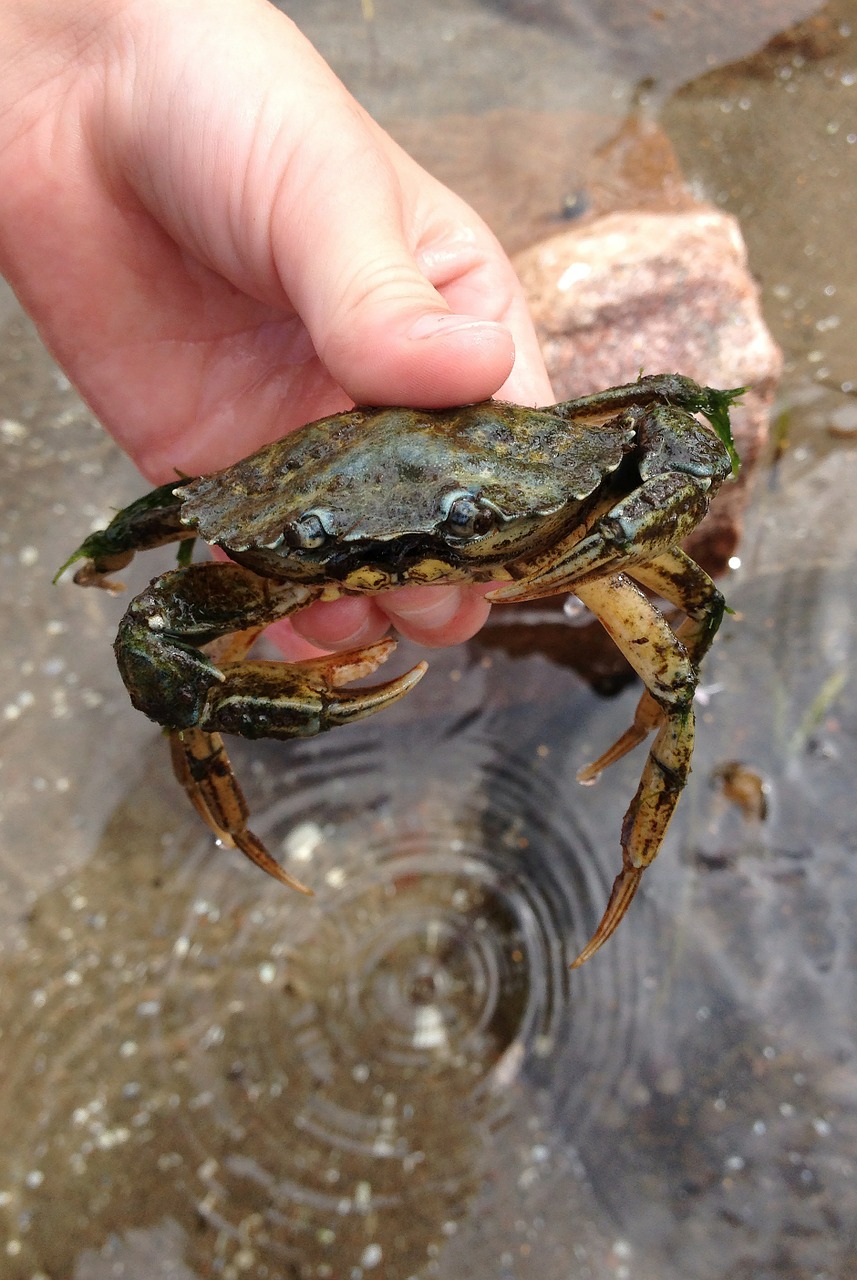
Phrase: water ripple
[305,1084]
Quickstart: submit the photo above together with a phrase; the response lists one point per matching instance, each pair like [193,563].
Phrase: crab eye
[469,517]
[307,533]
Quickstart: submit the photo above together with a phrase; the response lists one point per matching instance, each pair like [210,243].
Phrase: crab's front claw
[277,700]
[263,699]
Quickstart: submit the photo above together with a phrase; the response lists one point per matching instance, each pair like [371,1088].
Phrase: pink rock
[659,292]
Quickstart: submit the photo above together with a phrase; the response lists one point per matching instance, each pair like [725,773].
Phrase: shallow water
[206,1076]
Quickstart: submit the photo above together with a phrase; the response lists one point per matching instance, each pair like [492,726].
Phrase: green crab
[591,496]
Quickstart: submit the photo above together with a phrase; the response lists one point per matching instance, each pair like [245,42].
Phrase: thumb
[401,286]
[274,175]
[398,346]
[385,331]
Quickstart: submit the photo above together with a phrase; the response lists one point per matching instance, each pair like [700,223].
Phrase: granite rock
[659,292]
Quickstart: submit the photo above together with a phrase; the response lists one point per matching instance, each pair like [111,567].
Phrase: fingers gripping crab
[591,496]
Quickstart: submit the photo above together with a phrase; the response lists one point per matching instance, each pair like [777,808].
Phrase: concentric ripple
[354,1055]
[310,1087]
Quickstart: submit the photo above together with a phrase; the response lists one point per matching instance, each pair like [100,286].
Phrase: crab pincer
[314,689]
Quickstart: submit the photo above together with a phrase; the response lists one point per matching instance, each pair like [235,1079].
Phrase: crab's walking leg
[680,469]
[680,580]
[662,662]
[198,694]
[668,664]
[676,578]
[252,689]
[150,521]
[202,766]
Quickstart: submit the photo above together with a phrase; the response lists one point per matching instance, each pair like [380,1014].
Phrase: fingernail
[428,611]
[345,624]
[435,324]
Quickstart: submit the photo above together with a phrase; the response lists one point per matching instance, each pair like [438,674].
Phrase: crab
[590,496]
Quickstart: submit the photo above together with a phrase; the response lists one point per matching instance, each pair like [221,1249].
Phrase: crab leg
[200,760]
[202,765]
[668,663]
[152,521]
[662,662]
[203,768]
[656,516]
[631,536]
[680,580]
[670,678]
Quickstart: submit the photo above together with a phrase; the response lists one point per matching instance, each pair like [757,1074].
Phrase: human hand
[218,245]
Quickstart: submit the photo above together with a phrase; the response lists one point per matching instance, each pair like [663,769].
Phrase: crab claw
[265,699]
[277,700]
[354,704]
[337,670]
